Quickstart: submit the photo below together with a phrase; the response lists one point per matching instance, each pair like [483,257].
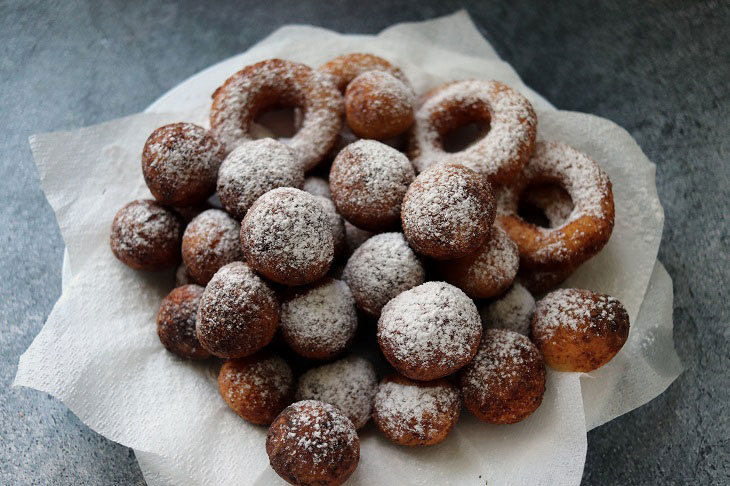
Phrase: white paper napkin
[99,353]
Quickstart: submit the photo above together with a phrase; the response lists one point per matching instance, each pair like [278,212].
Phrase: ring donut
[272,84]
[589,225]
[345,68]
[501,153]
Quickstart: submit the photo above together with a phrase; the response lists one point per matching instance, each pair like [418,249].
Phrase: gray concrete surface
[660,69]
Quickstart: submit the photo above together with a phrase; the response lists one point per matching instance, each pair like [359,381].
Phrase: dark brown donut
[276,83]
[343,69]
[505,381]
[211,240]
[368,181]
[378,105]
[448,212]
[312,443]
[257,387]
[416,413]
[579,330]
[176,322]
[238,312]
[146,236]
[287,237]
[180,164]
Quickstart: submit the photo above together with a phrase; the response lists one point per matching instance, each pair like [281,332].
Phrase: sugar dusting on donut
[435,323]
[512,128]
[212,238]
[349,384]
[144,224]
[512,311]
[322,318]
[408,408]
[345,68]
[380,269]
[574,309]
[266,376]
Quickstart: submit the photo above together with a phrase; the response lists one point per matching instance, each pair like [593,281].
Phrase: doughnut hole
[546,204]
[378,105]
[279,122]
[460,126]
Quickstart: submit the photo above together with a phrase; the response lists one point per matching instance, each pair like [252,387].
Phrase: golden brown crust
[146,236]
[312,443]
[210,241]
[505,381]
[343,69]
[378,106]
[416,413]
[180,164]
[579,330]
[176,322]
[257,387]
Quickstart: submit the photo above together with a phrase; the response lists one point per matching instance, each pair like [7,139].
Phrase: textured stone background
[660,69]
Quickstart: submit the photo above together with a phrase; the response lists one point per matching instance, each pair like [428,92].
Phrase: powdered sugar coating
[574,310]
[313,442]
[211,240]
[317,186]
[380,269]
[146,236]
[416,413]
[276,82]
[369,180]
[511,311]
[590,223]
[448,212]
[429,331]
[505,381]
[253,169]
[238,313]
[321,322]
[378,105]
[287,237]
[338,226]
[176,322]
[343,69]
[180,162]
[501,154]
[258,387]
[349,384]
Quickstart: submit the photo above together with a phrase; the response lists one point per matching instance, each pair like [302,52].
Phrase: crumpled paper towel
[99,353]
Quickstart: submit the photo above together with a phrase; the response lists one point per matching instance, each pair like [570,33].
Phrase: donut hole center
[278,122]
[463,126]
[546,205]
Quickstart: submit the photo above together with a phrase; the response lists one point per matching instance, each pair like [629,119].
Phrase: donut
[254,168]
[590,224]
[211,240]
[317,186]
[276,83]
[501,153]
[448,212]
[368,181]
[489,271]
[257,387]
[343,69]
[505,381]
[429,331]
[176,322]
[287,237]
[579,330]
[180,162]
[542,281]
[380,269]
[238,312]
[378,105]
[313,443]
[512,311]
[349,384]
[416,413]
[146,236]
[354,237]
[337,224]
[320,323]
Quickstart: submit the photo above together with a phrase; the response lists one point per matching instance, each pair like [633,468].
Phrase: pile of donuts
[369,226]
